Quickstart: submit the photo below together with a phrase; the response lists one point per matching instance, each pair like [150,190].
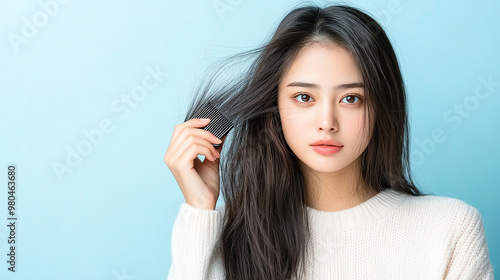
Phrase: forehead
[325,63]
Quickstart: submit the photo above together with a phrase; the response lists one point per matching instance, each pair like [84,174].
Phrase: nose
[329,128]
[328,120]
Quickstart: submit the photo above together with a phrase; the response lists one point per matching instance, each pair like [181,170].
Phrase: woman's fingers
[188,135]
[198,182]
[193,140]
[192,127]
[190,123]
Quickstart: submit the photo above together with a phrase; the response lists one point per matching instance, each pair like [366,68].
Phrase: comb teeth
[218,126]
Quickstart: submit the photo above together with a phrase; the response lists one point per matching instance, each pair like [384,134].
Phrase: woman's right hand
[199,181]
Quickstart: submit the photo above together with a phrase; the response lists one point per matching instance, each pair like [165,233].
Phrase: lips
[327,142]
[326,149]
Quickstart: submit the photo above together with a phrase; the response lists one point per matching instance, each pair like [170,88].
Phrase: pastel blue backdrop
[91,91]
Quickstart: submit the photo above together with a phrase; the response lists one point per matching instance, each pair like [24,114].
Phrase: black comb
[218,125]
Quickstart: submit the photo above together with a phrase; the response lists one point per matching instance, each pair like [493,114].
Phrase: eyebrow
[311,85]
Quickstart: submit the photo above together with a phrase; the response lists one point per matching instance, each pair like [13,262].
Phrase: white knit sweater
[390,236]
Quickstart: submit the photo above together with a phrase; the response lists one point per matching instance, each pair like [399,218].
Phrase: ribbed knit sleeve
[194,235]
[470,256]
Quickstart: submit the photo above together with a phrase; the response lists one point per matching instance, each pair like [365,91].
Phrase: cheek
[358,131]
[293,126]
[287,126]
[354,125]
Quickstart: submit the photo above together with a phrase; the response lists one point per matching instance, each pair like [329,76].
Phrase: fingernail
[204,120]
[219,141]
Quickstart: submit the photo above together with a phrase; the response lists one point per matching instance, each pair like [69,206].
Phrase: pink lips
[326,147]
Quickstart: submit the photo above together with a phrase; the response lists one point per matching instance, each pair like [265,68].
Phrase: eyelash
[355,95]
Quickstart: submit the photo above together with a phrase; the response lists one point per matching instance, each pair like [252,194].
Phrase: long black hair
[265,229]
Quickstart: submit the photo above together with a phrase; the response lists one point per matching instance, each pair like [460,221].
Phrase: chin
[325,167]
[326,170]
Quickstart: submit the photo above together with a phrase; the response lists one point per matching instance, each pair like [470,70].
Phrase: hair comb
[219,125]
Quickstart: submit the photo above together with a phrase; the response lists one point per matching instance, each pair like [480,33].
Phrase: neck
[337,191]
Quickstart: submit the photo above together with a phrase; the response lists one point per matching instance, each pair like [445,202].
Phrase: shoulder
[448,213]
[454,230]
[440,204]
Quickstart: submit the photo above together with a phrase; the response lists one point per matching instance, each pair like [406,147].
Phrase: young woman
[315,173]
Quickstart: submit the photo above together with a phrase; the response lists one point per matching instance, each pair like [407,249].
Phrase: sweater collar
[360,215]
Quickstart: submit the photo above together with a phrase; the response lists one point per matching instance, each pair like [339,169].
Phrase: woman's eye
[351,99]
[302,97]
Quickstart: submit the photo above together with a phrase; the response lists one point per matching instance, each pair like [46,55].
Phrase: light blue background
[111,217]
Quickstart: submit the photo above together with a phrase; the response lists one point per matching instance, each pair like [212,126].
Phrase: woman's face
[321,97]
